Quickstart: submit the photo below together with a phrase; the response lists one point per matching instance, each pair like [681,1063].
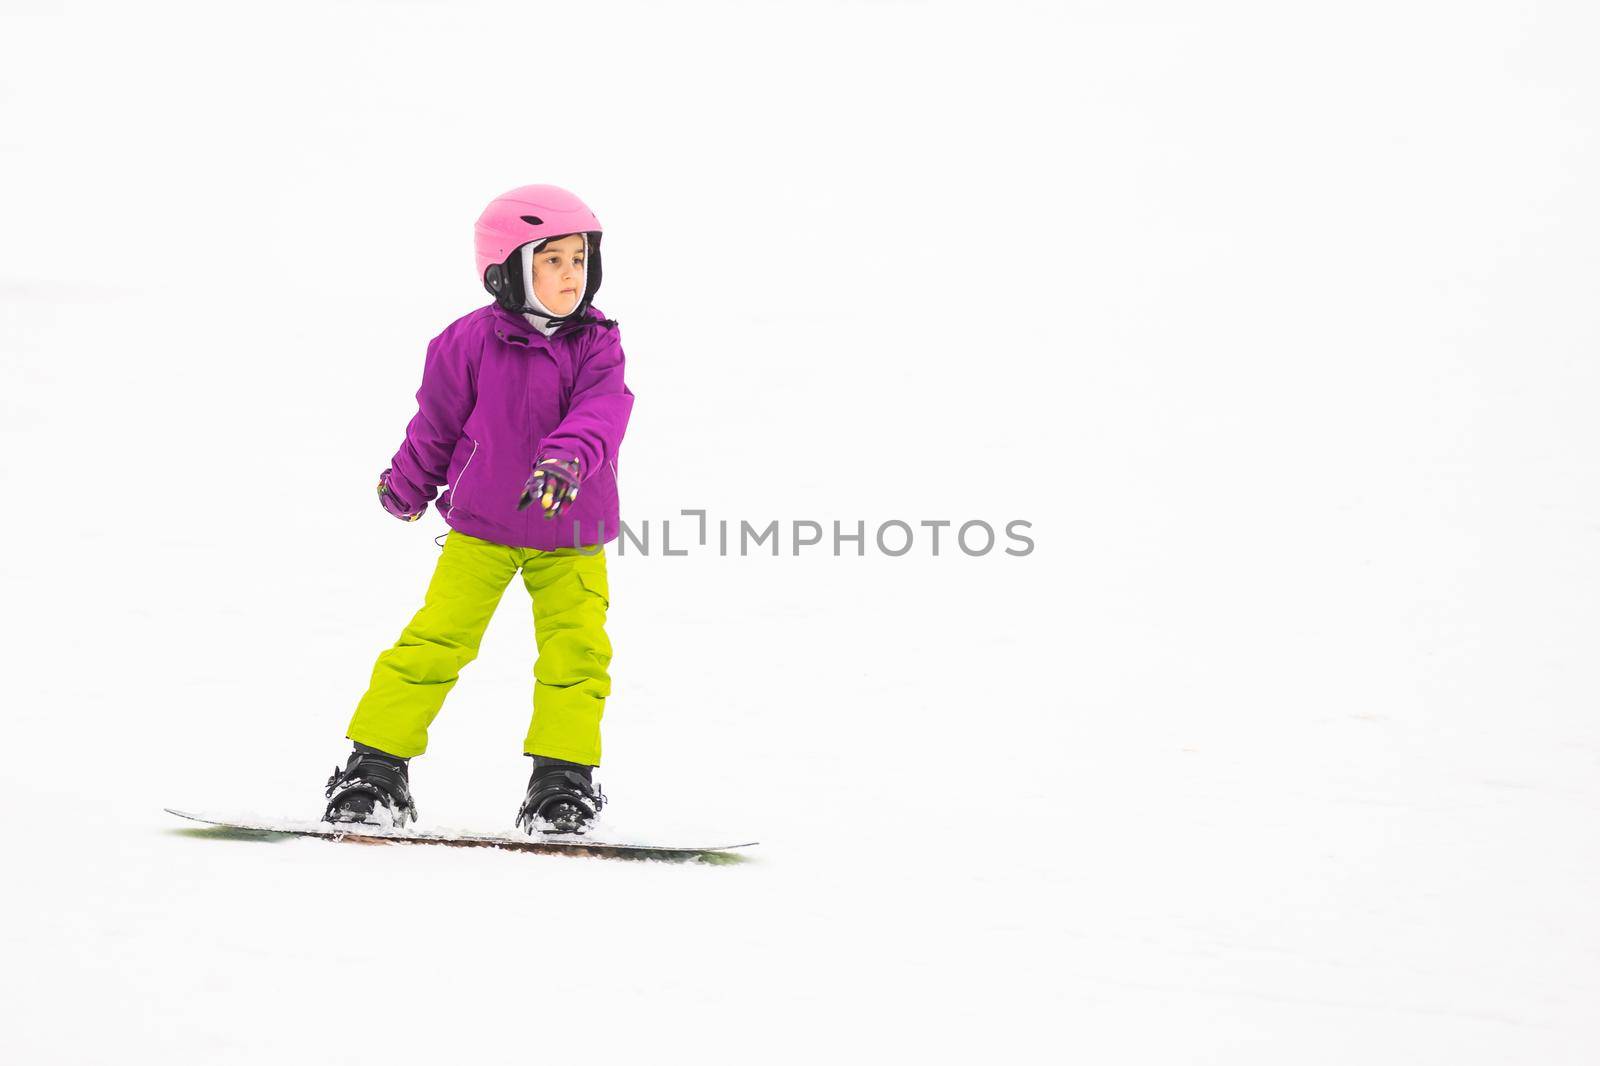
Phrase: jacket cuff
[407,482]
[569,449]
[395,499]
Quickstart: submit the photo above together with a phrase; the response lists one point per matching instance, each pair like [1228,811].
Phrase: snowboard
[510,840]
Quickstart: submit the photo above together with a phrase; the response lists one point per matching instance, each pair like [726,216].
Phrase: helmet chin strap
[538,315]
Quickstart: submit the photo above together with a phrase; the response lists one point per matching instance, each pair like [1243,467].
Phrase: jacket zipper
[456,488]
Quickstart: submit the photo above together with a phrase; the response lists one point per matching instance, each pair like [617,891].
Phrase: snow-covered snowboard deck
[510,840]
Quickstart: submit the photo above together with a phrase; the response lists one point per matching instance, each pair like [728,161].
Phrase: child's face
[558,274]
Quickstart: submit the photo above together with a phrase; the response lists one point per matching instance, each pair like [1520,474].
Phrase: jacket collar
[514,329]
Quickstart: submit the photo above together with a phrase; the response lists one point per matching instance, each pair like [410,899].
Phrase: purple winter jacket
[497,395]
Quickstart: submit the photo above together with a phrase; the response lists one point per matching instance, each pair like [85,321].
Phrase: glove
[391,502]
[554,483]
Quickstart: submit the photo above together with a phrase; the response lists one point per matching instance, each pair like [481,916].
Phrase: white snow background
[1277,321]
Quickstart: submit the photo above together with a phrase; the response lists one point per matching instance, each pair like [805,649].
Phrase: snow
[1276,323]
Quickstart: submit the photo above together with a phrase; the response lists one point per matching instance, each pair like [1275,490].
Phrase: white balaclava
[541,317]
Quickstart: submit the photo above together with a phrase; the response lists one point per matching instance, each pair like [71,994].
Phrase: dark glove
[554,483]
[392,503]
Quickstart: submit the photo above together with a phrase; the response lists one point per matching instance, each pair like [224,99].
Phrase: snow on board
[510,840]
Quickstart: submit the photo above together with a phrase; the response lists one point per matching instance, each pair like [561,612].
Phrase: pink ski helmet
[523,215]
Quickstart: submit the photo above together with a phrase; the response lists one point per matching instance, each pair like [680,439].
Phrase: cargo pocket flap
[596,582]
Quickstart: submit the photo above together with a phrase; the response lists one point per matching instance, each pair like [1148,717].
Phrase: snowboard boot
[374,788]
[562,797]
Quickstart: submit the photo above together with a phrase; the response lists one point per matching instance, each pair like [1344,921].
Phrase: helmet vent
[533,220]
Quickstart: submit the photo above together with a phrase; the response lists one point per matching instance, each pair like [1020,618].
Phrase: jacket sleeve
[597,414]
[447,395]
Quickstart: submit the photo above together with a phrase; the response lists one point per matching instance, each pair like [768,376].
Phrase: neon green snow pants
[570,684]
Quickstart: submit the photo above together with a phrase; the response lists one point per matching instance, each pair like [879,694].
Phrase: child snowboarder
[521,412]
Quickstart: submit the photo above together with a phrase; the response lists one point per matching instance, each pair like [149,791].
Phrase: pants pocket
[595,581]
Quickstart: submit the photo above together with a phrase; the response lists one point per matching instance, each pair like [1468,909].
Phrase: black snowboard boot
[562,797]
[374,788]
